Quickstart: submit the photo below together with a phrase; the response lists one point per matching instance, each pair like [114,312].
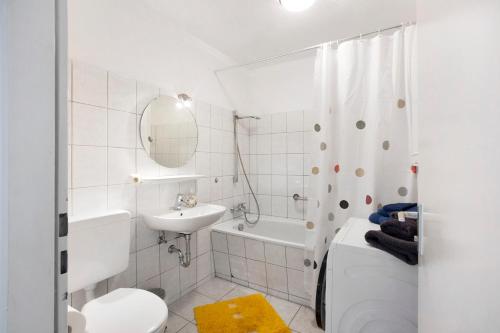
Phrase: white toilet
[98,248]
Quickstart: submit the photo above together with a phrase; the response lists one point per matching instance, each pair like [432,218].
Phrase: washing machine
[367,289]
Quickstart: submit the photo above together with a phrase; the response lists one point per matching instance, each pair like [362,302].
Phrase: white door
[33,164]
[459,176]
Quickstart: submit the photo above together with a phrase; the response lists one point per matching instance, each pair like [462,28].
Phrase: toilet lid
[125,310]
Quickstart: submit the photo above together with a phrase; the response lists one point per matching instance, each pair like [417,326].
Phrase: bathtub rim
[227,227]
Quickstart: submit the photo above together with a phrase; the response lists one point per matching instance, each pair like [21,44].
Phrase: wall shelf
[138,179]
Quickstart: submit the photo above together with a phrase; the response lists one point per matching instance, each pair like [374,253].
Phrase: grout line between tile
[233,288]
[180,329]
[295,315]
[177,314]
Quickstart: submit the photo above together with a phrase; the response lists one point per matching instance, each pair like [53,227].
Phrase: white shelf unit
[165,179]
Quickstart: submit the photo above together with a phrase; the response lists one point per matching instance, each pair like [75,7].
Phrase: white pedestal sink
[186,220]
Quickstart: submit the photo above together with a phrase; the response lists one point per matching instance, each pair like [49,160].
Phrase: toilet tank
[98,247]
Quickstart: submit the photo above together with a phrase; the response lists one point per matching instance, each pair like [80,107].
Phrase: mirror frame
[183,108]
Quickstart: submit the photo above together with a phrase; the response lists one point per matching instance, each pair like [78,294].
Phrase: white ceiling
[128,38]
[246,30]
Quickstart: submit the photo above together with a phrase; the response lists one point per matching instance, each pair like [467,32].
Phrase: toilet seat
[126,310]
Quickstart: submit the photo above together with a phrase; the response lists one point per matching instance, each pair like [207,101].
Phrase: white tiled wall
[272,268]
[104,150]
[280,162]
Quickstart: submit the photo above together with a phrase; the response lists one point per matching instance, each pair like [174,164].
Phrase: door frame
[3,176]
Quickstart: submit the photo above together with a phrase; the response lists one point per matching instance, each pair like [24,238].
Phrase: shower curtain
[363,144]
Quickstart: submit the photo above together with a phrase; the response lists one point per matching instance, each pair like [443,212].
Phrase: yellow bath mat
[249,314]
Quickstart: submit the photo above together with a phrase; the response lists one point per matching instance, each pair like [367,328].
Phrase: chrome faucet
[179,202]
[240,208]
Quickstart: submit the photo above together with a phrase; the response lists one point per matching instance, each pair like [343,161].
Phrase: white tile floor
[181,318]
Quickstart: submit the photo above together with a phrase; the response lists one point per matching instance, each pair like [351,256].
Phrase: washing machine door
[321,295]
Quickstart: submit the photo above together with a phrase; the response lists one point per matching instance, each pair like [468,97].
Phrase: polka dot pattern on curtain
[401,103]
[359,146]
[360,172]
[344,204]
[368,199]
[386,145]
[403,191]
[360,124]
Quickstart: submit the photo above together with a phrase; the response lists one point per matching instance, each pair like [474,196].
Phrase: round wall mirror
[168,132]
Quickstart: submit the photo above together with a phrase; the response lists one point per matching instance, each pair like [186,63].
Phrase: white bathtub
[271,229]
[267,257]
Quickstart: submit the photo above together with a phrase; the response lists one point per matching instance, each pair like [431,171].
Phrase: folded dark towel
[402,230]
[386,213]
[401,249]
[379,218]
[398,207]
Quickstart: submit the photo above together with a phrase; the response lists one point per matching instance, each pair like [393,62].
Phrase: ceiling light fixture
[296,5]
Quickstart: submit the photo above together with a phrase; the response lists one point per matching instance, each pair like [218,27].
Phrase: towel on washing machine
[403,230]
[387,212]
[401,249]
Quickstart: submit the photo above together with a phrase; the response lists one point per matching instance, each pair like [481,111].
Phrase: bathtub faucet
[240,208]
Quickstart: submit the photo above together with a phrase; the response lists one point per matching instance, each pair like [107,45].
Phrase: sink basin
[186,220]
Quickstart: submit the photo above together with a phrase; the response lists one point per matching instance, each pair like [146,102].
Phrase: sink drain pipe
[184,258]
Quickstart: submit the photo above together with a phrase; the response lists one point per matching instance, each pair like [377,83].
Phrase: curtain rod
[338,41]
